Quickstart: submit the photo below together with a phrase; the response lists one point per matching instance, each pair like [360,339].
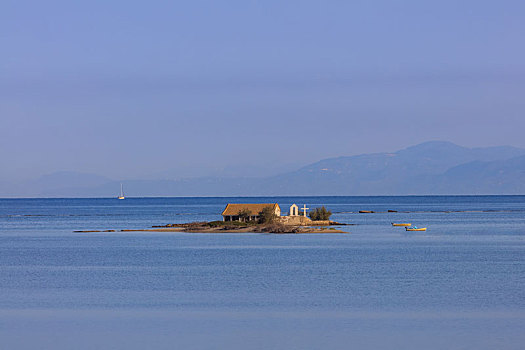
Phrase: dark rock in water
[335,223]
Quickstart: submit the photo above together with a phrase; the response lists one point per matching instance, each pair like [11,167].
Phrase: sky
[167,89]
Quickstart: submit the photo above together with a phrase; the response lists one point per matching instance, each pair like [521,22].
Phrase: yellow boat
[401,224]
[415,228]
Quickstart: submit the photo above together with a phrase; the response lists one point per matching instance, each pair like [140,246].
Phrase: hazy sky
[130,89]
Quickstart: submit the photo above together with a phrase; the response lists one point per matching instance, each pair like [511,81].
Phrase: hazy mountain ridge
[430,168]
[500,176]
[420,169]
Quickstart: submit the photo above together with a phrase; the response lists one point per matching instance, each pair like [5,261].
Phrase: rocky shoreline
[234,227]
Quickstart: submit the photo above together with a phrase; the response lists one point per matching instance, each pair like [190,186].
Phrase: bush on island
[225,223]
[244,215]
[267,215]
[320,214]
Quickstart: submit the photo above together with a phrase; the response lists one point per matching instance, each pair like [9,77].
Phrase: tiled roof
[255,209]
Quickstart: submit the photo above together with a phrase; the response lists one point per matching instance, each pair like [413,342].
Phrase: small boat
[121,195]
[414,228]
[401,224]
[365,211]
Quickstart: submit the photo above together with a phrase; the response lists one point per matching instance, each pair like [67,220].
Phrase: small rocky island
[262,217]
[259,217]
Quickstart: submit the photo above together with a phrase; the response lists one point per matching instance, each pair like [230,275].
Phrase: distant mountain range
[429,168]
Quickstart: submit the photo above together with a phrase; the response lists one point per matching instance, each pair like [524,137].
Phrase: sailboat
[121,195]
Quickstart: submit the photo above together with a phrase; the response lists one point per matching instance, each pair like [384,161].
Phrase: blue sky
[164,89]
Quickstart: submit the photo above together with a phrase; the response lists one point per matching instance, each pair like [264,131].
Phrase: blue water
[460,285]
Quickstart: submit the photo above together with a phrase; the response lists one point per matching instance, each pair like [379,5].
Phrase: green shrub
[267,215]
[225,223]
[320,214]
[215,223]
[244,215]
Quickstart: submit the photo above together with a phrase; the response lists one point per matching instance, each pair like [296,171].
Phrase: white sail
[121,196]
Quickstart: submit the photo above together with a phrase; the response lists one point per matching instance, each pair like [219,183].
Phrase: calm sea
[460,285]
